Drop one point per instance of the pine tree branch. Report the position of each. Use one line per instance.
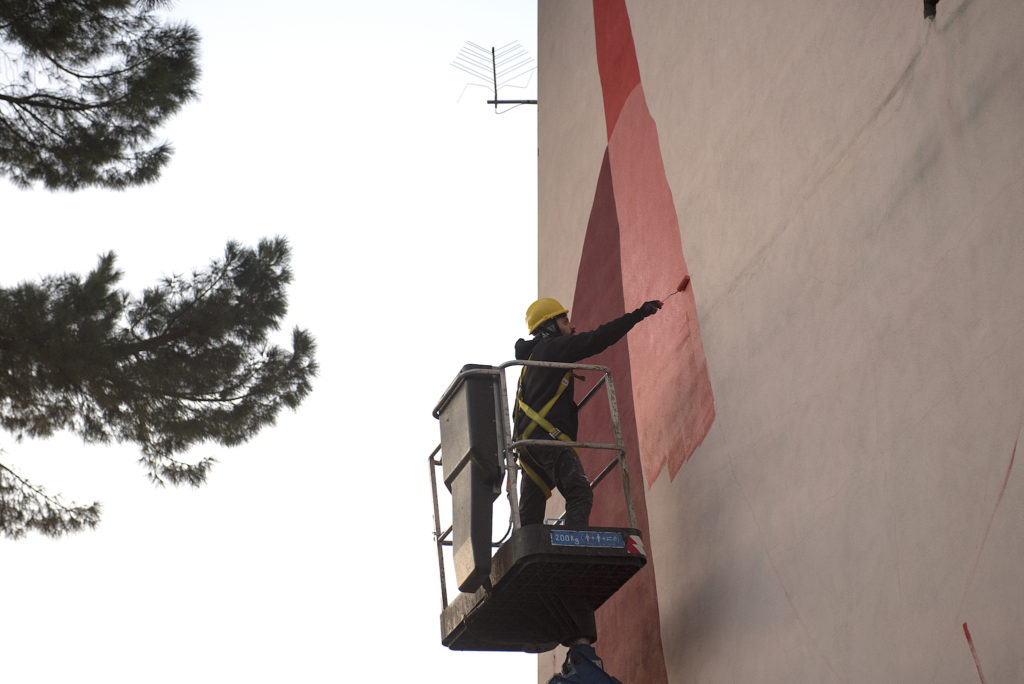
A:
(202, 294)
(28, 485)
(56, 103)
(14, 130)
(204, 398)
(149, 343)
(70, 359)
(22, 111)
(106, 74)
(26, 507)
(29, 13)
(155, 390)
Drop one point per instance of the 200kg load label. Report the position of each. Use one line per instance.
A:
(611, 540)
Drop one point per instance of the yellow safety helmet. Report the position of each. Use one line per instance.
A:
(543, 309)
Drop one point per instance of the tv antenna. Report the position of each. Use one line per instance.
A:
(497, 68)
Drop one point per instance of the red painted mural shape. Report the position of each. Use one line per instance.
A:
(632, 252)
(674, 403)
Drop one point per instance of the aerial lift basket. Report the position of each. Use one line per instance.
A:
(543, 584)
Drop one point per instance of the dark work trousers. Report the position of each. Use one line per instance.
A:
(563, 466)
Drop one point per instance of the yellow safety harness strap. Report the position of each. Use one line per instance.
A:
(540, 420)
(531, 468)
(534, 472)
(538, 417)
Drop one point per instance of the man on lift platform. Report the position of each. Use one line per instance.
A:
(546, 409)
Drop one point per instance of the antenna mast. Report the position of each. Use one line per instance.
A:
(507, 64)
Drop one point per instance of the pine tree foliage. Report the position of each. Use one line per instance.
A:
(84, 84)
(186, 362)
(24, 507)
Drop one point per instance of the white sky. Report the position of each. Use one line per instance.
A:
(308, 556)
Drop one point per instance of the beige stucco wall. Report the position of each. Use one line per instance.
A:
(570, 153)
(849, 181)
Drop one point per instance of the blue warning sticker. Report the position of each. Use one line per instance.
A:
(612, 540)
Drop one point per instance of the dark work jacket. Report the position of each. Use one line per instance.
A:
(538, 385)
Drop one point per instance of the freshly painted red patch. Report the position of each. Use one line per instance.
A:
(674, 401)
(974, 653)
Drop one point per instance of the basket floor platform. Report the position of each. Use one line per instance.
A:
(545, 584)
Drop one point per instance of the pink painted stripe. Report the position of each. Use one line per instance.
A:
(616, 57)
(974, 653)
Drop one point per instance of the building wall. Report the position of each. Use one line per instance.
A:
(824, 426)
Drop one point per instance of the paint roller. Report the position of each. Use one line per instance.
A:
(683, 284)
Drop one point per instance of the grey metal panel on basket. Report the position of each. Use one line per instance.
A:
(471, 463)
